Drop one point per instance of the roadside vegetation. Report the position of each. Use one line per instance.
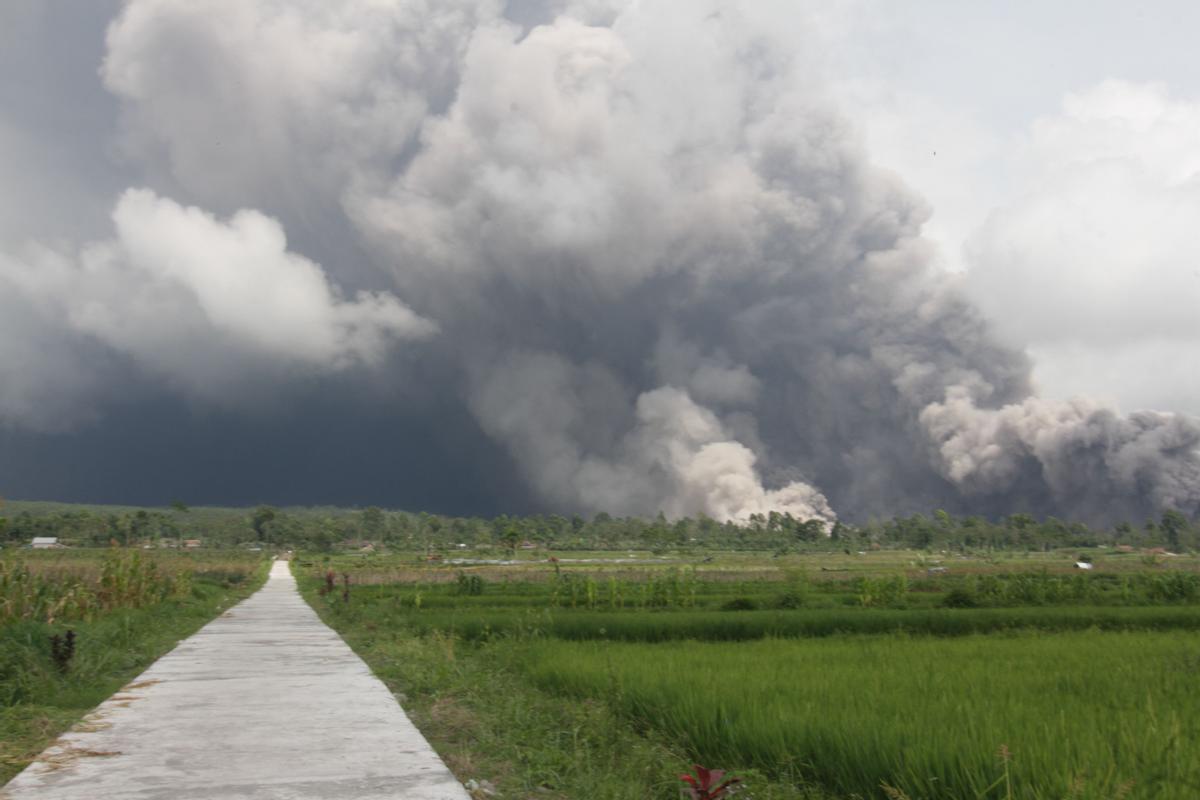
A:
(76, 625)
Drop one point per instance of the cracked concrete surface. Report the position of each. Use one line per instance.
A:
(265, 701)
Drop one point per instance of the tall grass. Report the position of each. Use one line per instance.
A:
(1087, 715)
(55, 587)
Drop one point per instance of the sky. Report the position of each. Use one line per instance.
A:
(1067, 130)
(837, 259)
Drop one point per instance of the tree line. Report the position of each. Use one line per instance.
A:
(327, 528)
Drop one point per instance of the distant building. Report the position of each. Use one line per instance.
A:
(191, 544)
(45, 543)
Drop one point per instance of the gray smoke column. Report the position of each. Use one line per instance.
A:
(639, 244)
(1087, 456)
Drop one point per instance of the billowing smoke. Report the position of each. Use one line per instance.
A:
(633, 240)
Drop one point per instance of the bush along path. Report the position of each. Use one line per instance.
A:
(265, 702)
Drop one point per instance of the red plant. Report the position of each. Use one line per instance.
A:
(706, 783)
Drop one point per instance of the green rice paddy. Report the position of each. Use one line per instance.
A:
(993, 681)
(1091, 713)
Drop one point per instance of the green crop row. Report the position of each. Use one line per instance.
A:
(1086, 715)
(1039, 686)
(685, 589)
(392, 607)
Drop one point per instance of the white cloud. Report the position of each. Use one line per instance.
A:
(1098, 260)
(945, 152)
(217, 308)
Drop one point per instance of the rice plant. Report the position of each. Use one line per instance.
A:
(1116, 713)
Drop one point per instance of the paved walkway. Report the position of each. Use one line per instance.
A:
(264, 702)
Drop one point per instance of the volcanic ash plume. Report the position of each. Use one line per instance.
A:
(677, 456)
(663, 273)
(1087, 456)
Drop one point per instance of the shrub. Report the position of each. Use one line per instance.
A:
(468, 584)
(789, 600)
(959, 598)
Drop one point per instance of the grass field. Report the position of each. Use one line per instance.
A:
(855, 680)
(1097, 714)
(123, 608)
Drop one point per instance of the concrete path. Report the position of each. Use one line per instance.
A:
(264, 702)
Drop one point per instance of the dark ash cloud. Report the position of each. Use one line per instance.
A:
(630, 255)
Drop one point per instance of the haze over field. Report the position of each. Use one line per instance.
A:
(584, 256)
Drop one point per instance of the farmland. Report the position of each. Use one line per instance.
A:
(75, 625)
(1106, 712)
(886, 674)
(921, 657)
